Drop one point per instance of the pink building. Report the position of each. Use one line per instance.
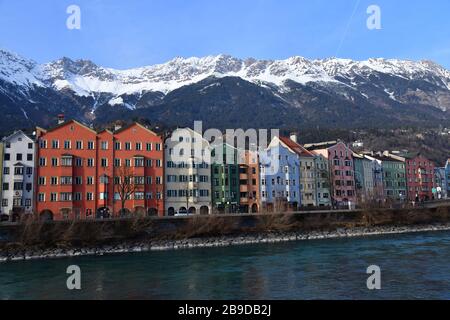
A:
(340, 158)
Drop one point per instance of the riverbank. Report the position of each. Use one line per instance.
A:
(126, 247)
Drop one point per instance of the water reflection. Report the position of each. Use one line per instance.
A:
(413, 267)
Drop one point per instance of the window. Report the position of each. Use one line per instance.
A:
(139, 196)
(55, 144)
(90, 196)
(158, 180)
(127, 163)
(103, 195)
(29, 157)
(90, 180)
(91, 145)
(78, 180)
(54, 181)
(66, 161)
(78, 162)
(104, 180)
(66, 180)
(104, 162)
(79, 145)
(42, 162)
(149, 163)
(29, 187)
(41, 197)
(158, 147)
(158, 163)
(53, 197)
(117, 145)
(90, 162)
(4, 202)
(42, 181)
(54, 162)
(77, 196)
(43, 144)
(139, 180)
(128, 146)
(67, 144)
(19, 157)
(138, 146)
(149, 147)
(30, 145)
(7, 157)
(6, 186)
(148, 180)
(104, 145)
(65, 196)
(18, 171)
(116, 162)
(139, 162)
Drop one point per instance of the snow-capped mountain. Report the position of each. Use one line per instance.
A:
(408, 90)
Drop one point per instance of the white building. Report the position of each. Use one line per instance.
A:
(188, 173)
(280, 177)
(18, 175)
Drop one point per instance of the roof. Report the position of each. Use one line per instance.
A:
(320, 145)
(18, 132)
(385, 158)
(66, 123)
(132, 125)
(297, 148)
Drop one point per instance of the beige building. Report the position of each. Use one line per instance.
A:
(187, 173)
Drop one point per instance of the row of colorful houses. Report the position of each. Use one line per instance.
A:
(74, 172)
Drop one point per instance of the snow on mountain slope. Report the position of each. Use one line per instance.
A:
(86, 79)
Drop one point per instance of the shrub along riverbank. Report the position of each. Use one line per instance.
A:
(33, 239)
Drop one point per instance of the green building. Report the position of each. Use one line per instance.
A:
(225, 179)
(394, 178)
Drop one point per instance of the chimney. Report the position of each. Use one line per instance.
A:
(117, 126)
(60, 118)
(294, 137)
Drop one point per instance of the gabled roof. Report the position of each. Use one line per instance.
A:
(132, 125)
(18, 132)
(297, 148)
(65, 124)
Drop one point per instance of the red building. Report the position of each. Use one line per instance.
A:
(419, 177)
(82, 173)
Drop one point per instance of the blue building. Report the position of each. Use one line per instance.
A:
(280, 177)
(442, 180)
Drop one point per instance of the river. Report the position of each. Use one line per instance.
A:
(413, 266)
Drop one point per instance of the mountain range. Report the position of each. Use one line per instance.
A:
(227, 92)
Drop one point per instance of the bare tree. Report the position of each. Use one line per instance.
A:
(125, 185)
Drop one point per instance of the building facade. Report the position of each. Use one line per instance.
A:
(394, 178)
(249, 182)
(340, 159)
(307, 172)
(280, 172)
(225, 178)
(440, 181)
(323, 193)
(18, 183)
(420, 177)
(84, 174)
(365, 170)
(188, 173)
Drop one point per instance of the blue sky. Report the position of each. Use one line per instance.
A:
(130, 33)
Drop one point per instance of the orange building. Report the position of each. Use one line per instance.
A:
(84, 174)
(249, 176)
